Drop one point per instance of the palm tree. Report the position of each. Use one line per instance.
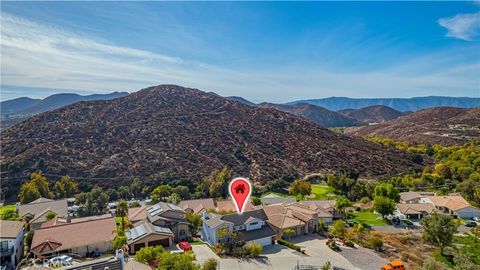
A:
(122, 211)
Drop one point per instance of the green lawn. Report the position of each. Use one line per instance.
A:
(367, 217)
(319, 192)
(6, 208)
(322, 192)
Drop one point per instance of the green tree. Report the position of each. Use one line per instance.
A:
(160, 193)
(341, 205)
(148, 254)
(327, 266)
(122, 211)
(182, 191)
(120, 240)
(301, 187)
(195, 222)
(41, 183)
(255, 200)
(476, 193)
(136, 188)
(339, 229)
(185, 261)
(387, 190)
(384, 205)
(438, 230)
(322, 226)
(28, 193)
(288, 233)
(359, 229)
(66, 187)
(219, 182)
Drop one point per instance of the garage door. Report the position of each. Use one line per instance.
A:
(263, 241)
(162, 242)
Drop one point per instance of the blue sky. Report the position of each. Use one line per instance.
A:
(263, 51)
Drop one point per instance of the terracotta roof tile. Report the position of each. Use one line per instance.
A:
(74, 235)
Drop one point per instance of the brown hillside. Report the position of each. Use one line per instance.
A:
(316, 114)
(168, 131)
(442, 125)
(372, 114)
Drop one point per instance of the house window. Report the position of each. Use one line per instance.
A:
(182, 232)
(253, 223)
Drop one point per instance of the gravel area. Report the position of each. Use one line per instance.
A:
(363, 258)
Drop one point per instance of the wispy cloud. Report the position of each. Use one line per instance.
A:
(44, 56)
(462, 26)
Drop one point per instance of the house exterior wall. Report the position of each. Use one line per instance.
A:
(256, 224)
(17, 244)
(149, 238)
(101, 246)
(267, 241)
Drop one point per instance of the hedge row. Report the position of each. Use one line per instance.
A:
(290, 245)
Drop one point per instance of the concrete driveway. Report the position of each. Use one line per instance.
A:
(280, 257)
(316, 247)
(203, 253)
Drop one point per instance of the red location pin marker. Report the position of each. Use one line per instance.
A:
(240, 190)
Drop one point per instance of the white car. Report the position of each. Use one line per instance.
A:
(60, 261)
(477, 219)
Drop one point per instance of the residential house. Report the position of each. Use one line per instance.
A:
(251, 225)
(11, 242)
(414, 211)
(77, 237)
(137, 214)
(165, 215)
(455, 205)
(36, 212)
(414, 197)
(146, 234)
(325, 209)
(197, 206)
(297, 217)
(276, 199)
(227, 206)
(60, 221)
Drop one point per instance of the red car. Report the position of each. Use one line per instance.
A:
(185, 245)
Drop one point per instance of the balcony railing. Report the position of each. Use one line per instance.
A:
(6, 251)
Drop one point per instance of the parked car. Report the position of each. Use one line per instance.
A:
(60, 261)
(185, 245)
(471, 224)
(476, 219)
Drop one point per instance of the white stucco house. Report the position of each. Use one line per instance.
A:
(11, 242)
(251, 225)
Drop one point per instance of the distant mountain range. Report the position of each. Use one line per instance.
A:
(441, 125)
(170, 132)
(28, 106)
(373, 114)
(399, 104)
(316, 114)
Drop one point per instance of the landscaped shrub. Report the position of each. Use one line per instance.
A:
(253, 249)
(210, 264)
(332, 245)
(375, 243)
(349, 243)
(290, 245)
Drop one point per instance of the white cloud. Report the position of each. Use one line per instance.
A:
(37, 55)
(462, 26)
